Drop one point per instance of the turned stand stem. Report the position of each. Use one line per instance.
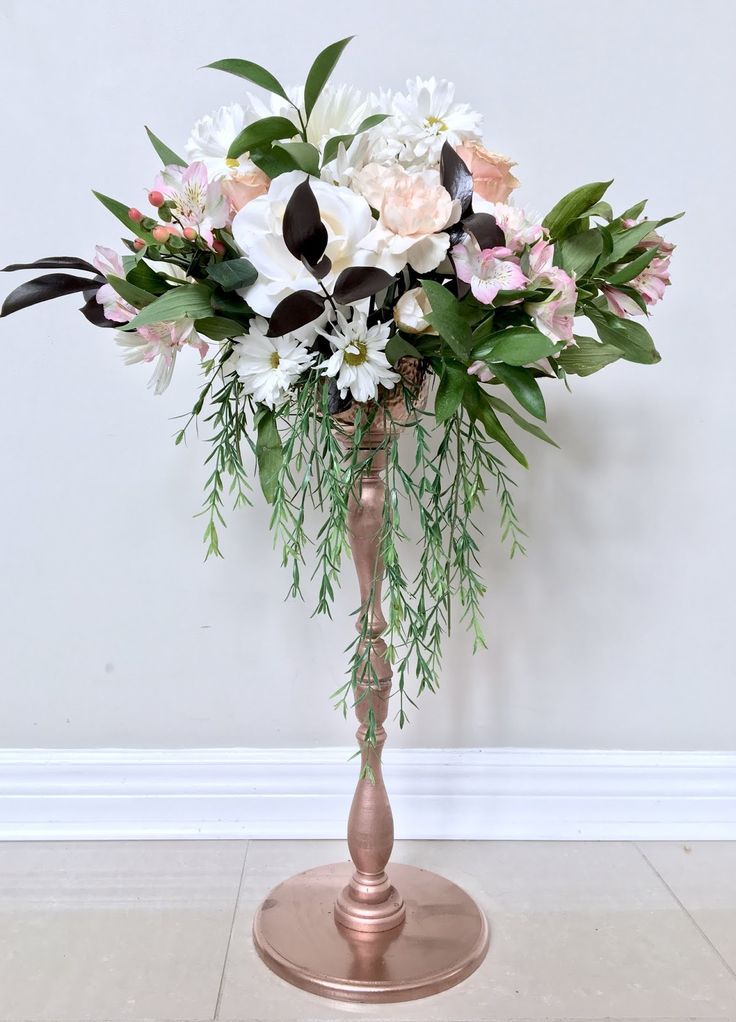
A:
(369, 902)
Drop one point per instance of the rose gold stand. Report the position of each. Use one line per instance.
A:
(358, 934)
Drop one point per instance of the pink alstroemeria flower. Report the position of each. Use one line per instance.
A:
(541, 255)
(113, 306)
(160, 343)
(555, 317)
(487, 270)
(653, 240)
(196, 201)
(619, 303)
(650, 284)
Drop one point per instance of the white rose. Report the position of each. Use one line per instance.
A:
(258, 232)
(411, 310)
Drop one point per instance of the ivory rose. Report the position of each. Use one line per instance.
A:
(412, 209)
(411, 310)
(492, 177)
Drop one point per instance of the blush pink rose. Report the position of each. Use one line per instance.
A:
(240, 189)
(492, 177)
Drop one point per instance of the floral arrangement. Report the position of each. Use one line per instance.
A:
(326, 250)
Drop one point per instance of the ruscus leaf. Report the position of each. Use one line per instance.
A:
(166, 155)
(320, 71)
(573, 205)
(251, 73)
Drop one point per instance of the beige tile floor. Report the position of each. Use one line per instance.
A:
(161, 931)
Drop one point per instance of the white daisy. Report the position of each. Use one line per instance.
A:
(426, 116)
(268, 366)
(359, 361)
(213, 135)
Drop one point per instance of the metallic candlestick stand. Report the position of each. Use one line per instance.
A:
(362, 934)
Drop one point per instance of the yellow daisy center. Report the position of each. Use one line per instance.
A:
(275, 360)
(231, 162)
(356, 358)
(436, 122)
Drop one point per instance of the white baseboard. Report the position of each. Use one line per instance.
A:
(305, 793)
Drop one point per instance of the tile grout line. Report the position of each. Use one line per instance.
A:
(687, 912)
(221, 987)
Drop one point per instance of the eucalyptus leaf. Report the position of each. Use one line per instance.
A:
(233, 273)
(320, 72)
(574, 205)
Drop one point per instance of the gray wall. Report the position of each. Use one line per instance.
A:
(616, 631)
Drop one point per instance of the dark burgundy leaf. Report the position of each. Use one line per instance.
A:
(322, 268)
(456, 178)
(93, 311)
(54, 263)
(356, 282)
(484, 229)
(42, 289)
(335, 403)
(304, 233)
(294, 311)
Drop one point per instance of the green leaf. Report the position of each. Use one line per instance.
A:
(632, 339)
(232, 274)
(517, 346)
(120, 210)
(588, 357)
(273, 162)
(260, 134)
(448, 320)
(453, 382)
(269, 455)
(634, 268)
(530, 427)
(252, 73)
(304, 156)
(187, 300)
(218, 328)
(601, 209)
(574, 205)
(166, 155)
(320, 71)
(634, 212)
(398, 347)
(476, 402)
(144, 276)
(523, 385)
(333, 144)
(579, 252)
(624, 241)
(135, 295)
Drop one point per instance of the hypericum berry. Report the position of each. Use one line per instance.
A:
(160, 234)
(190, 233)
(217, 246)
(135, 214)
(156, 198)
(139, 244)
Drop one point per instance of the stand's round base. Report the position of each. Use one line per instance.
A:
(443, 939)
